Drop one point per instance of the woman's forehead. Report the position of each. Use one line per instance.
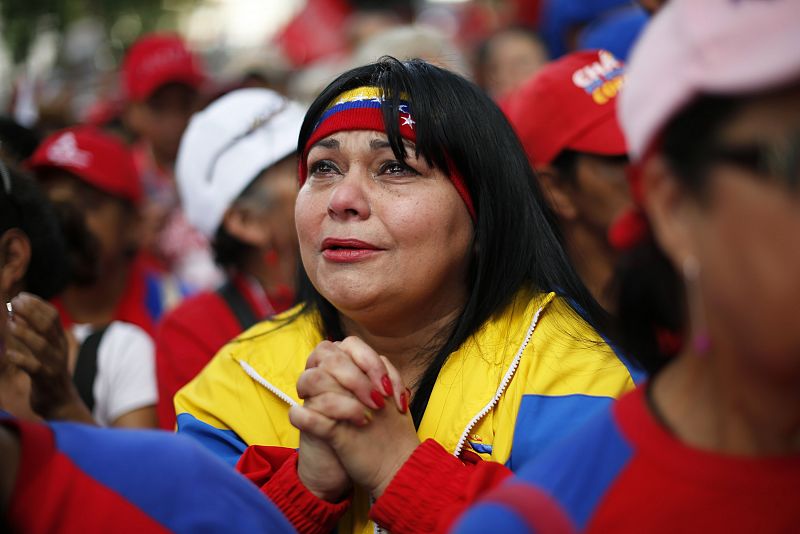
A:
(372, 139)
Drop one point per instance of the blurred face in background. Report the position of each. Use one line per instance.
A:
(268, 205)
(600, 192)
(162, 118)
(510, 58)
(100, 229)
(745, 235)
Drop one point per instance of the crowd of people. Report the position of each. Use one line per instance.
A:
(558, 298)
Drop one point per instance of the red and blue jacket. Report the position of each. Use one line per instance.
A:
(77, 478)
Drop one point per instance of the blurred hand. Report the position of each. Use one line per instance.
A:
(344, 386)
(38, 345)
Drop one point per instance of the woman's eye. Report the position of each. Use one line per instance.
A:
(395, 168)
(323, 167)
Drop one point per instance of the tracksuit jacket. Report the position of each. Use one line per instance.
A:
(528, 376)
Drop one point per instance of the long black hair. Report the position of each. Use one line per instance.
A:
(652, 314)
(516, 237)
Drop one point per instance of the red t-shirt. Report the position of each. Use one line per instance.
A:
(192, 333)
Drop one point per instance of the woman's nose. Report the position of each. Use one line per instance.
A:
(349, 199)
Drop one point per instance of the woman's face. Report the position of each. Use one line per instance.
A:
(747, 240)
(381, 238)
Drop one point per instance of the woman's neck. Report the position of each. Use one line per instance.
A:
(407, 345)
(715, 403)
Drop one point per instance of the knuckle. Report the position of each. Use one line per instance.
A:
(301, 385)
(334, 406)
(324, 345)
(333, 361)
(354, 382)
(327, 402)
(314, 379)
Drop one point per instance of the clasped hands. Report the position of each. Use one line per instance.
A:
(354, 423)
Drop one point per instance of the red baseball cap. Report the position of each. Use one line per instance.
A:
(93, 156)
(569, 104)
(158, 59)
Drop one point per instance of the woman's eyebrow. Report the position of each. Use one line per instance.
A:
(380, 144)
(329, 143)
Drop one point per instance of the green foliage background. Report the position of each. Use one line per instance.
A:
(20, 18)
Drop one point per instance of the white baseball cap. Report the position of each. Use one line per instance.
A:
(227, 145)
(690, 47)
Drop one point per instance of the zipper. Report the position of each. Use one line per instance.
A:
(501, 388)
(252, 373)
(486, 409)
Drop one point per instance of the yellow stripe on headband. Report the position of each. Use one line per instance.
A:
(358, 94)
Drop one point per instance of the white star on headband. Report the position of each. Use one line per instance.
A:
(408, 121)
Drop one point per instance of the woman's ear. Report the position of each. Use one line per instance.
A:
(15, 256)
(668, 205)
(247, 226)
(557, 193)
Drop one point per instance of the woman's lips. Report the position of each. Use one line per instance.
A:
(348, 250)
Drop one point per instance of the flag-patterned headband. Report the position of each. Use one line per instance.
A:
(360, 109)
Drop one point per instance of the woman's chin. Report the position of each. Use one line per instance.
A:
(354, 304)
(358, 301)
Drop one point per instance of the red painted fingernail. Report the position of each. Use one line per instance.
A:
(404, 402)
(377, 398)
(387, 385)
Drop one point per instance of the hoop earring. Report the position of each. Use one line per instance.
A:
(701, 341)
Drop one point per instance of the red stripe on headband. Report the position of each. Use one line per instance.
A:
(371, 118)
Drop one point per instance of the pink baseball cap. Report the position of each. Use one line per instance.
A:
(706, 46)
(569, 103)
(156, 60)
(95, 157)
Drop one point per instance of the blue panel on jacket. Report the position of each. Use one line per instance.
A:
(225, 444)
(501, 519)
(543, 420)
(578, 470)
(171, 479)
